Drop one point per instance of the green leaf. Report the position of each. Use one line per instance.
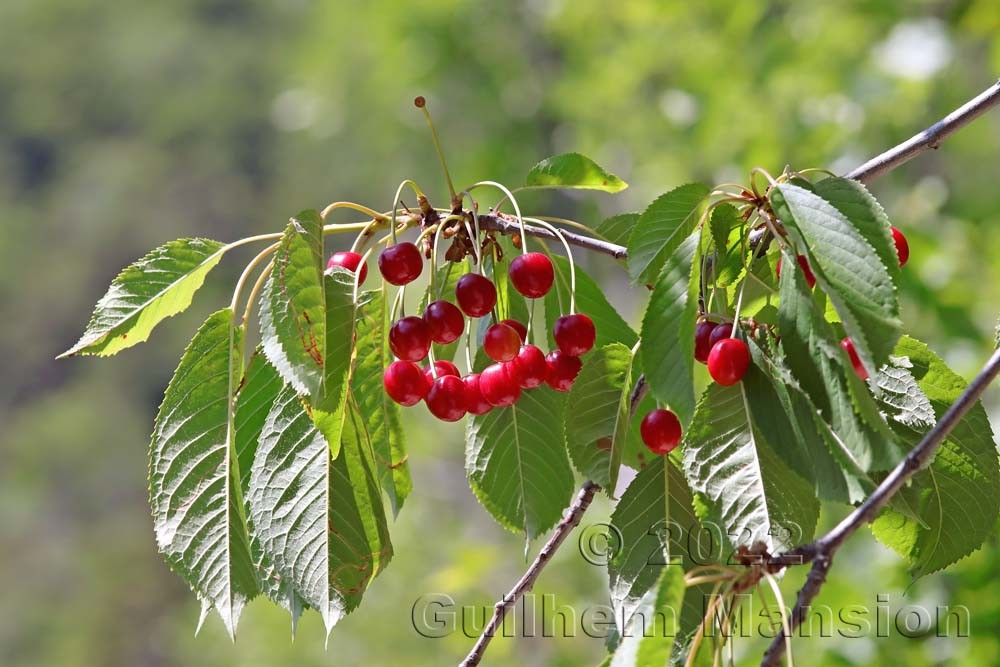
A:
(194, 477)
(319, 519)
(661, 228)
(650, 639)
(958, 495)
(597, 427)
(158, 286)
(572, 170)
(847, 268)
(731, 259)
(618, 228)
(591, 300)
(667, 348)
(516, 462)
(741, 482)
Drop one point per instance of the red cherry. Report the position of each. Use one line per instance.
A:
(661, 431)
(728, 361)
(562, 370)
(530, 367)
(501, 342)
(410, 338)
(499, 387)
(521, 330)
(443, 367)
(804, 264)
(349, 261)
(719, 333)
(702, 345)
(902, 246)
(445, 321)
(401, 263)
(848, 346)
(531, 274)
(405, 383)
(446, 398)
(475, 404)
(574, 334)
(476, 294)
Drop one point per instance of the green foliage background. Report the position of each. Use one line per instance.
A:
(125, 125)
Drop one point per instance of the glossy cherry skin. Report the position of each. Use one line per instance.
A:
(902, 246)
(501, 342)
(728, 361)
(521, 330)
(476, 294)
(661, 431)
(530, 367)
(410, 338)
(446, 398)
(804, 265)
(574, 334)
(722, 331)
(499, 386)
(405, 383)
(349, 261)
(401, 263)
(562, 370)
(702, 346)
(475, 403)
(531, 274)
(443, 367)
(445, 321)
(848, 346)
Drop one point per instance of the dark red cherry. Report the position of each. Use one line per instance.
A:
(702, 345)
(661, 431)
(404, 382)
(401, 263)
(530, 367)
(531, 274)
(728, 361)
(444, 320)
(720, 332)
(349, 261)
(410, 339)
(443, 367)
(499, 387)
(574, 334)
(475, 404)
(521, 330)
(501, 342)
(446, 398)
(562, 370)
(848, 346)
(476, 294)
(902, 247)
(804, 264)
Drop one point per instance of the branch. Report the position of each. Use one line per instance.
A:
(507, 225)
(571, 518)
(821, 551)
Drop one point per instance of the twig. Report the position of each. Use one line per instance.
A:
(823, 549)
(505, 226)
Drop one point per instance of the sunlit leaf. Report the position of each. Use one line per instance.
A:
(572, 170)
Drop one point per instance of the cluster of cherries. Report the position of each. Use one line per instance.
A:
(519, 365)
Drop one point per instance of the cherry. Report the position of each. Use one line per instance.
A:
(702, 345)
(476, 294)
(531, 274)
(574, 334)
(475, 404)
(530, 367)
(521, 330)
(349, 261)
(720, 332)
(501, 342)
(848, 346)
(446, 398)
(400, 263)
(804, 264)
(902, 247)
(443, 367)
(563, 369)
(661, 431)
(499, 387)
(410, 339)
(405, 383)
(728, 361)
(444, 320)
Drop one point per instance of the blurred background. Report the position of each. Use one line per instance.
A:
(127, 124)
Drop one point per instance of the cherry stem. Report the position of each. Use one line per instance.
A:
(573, 223)
(248, 270)
(477, 248)
(513, 202)
(255, 291)
(399, 191)
(381, 217)
(437, 147)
